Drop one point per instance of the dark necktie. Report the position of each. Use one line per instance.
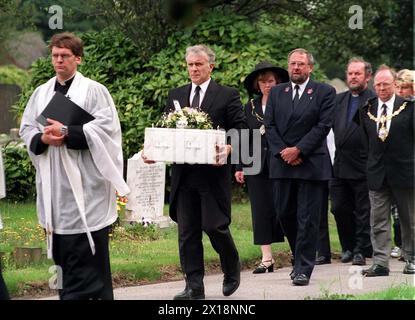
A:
(297, 96)
(196, 98)
(384, 113)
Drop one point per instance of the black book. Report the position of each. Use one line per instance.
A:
(67, 112)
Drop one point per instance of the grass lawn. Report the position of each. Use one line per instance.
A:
(135, 258)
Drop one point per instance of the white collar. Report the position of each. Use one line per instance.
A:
(302, 85)
(389, 103)
(203, 86)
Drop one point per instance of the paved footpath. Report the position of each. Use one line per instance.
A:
(326, 279)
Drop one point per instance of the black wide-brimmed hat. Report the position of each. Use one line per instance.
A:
(263, 67)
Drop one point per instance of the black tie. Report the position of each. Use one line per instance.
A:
(297, 96)
(196, 98)
(384, 113)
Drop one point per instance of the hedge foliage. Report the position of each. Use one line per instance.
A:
(10, 74)
(19, 172)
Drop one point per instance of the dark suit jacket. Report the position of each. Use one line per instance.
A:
(255, 123)
(350, 157)
(392, 160)
(306, 127)
(224, 107)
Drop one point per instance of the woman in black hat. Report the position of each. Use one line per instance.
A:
(266, 227)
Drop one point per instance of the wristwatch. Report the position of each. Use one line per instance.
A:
(64, 130)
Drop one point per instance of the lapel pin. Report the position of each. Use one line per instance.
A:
(287, 89)
(310, 91)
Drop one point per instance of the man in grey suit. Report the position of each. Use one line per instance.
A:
(388, 126)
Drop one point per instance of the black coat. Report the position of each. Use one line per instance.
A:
(350, 157)
(306, 127)
(255, 119)
(392, 159)
(224, 107)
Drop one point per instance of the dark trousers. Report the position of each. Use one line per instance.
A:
(197, 211)
(4, 294)
(84, 276)
(323, 247)
(350, 206)
(397, 238)
(299, 205)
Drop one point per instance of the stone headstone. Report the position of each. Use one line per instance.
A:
(146, 199)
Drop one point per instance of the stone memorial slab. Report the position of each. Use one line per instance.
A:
(147, 184)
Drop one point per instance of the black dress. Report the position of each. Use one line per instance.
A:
(265, 225)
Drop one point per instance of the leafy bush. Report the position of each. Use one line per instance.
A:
(10, 74)
(19, 172)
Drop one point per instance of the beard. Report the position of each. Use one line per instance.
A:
(298, 78)
(356, 87)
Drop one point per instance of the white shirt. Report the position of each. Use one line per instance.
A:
(389, 105)
(301, 90)
(203, 88)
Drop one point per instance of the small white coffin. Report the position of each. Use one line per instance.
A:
(183, 145)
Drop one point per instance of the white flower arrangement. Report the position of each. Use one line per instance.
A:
(186, 118)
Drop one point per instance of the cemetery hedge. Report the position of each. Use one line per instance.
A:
(140, 88)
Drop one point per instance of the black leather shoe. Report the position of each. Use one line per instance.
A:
(359, 260)
(376, 270)
(347, 256)
(301, 280)
(323, 260)
(190, 294)
(231, 282)
(409, 268)
(264, 266)
(292, 274)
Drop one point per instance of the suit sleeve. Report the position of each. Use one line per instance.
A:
(235, 116)
(274, 139)
(314, 138)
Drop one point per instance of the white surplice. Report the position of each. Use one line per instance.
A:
(76, 188)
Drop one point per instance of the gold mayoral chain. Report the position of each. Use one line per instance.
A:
(383, 131)
(258, 117)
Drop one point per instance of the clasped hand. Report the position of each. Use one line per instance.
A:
(291, 155)
(52, 134)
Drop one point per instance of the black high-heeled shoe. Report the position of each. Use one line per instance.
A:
(262, 268)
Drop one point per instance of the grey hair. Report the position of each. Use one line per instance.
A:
(368, 66)
(201, 48)
(310, 57)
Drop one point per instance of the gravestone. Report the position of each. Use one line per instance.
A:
(146, 199)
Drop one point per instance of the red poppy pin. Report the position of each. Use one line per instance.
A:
(287, 89)
(310, 91)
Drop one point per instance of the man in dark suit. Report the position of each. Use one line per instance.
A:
(388, 126)
(298, 118)
(200, 198)
(348, 188)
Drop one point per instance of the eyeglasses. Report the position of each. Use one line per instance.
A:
(63, 56)
(299, 64)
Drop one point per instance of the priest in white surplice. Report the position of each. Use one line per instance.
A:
(78, 171)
